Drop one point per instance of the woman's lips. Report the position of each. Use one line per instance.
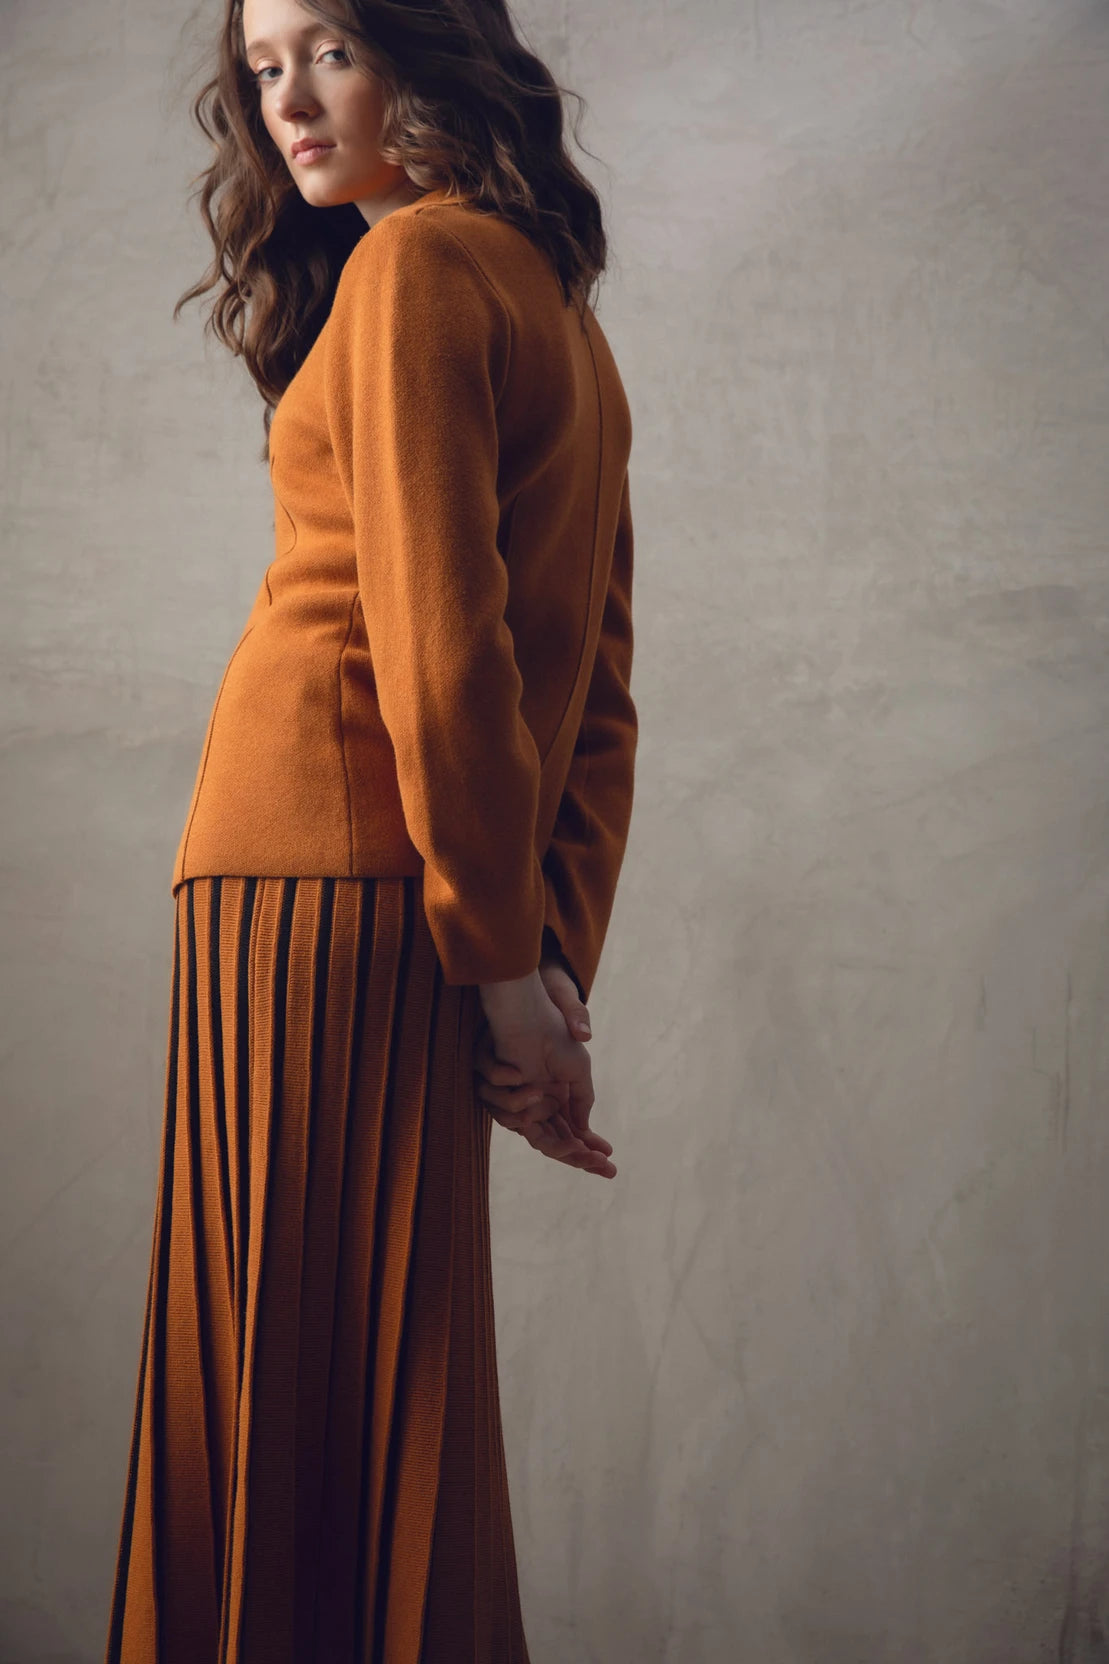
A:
(314, 153)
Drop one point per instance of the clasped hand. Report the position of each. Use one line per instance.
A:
(530, 1072)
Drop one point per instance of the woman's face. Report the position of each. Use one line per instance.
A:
(307, 88)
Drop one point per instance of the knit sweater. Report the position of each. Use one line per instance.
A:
(434, 677)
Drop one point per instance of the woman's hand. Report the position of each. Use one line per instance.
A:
(532, 1075)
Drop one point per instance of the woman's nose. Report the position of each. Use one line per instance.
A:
(293, 98)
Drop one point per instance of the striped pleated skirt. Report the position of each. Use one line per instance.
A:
(317, 1474)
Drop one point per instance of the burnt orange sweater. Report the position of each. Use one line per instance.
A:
(435, 675)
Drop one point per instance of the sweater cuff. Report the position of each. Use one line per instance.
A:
(552, 948)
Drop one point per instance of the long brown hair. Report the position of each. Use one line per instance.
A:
(466, 105)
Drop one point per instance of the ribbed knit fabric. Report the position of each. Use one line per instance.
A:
(317, 1474)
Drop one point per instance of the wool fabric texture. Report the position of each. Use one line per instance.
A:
(434, 678)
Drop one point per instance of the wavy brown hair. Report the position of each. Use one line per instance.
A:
(466, 105)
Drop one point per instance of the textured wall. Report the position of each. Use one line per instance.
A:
(823, 1376)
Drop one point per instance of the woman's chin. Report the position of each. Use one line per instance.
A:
(318, 195)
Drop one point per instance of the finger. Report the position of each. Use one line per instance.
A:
(520, 1119)
(593, 1141)
(563, 992)
(587, 1154)
(548, 1145)
(572, 1153)
(562, 1130)
(592, 1161)
(533, 1116)
(589, 1161)
(580, 1105)
(510, 1122)
(549, 1133)
(511, 1098)
(528, 1129)
(558, 1140)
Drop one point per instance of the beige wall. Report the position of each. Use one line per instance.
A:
(823, 1376)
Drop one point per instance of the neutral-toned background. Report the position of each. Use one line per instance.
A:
(823, 1376)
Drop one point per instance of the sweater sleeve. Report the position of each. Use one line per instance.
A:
(416, 354)
(586, 851)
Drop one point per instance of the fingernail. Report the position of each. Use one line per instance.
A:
(583, 1027)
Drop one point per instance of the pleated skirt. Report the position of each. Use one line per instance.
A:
(317, 1472)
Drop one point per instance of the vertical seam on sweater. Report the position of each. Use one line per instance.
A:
(511, 532)
(208, 747)
(342, 734)
(593, 555)
(296, 530)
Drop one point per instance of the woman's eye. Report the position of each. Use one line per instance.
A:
(260, 74)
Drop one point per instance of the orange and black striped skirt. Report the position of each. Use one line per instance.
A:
(317, 1474)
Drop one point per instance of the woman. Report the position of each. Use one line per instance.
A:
(400, 857)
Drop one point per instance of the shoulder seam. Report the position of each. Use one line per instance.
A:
(480, 269)
(477, 266)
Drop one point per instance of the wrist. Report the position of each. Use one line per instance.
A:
(512, 994)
